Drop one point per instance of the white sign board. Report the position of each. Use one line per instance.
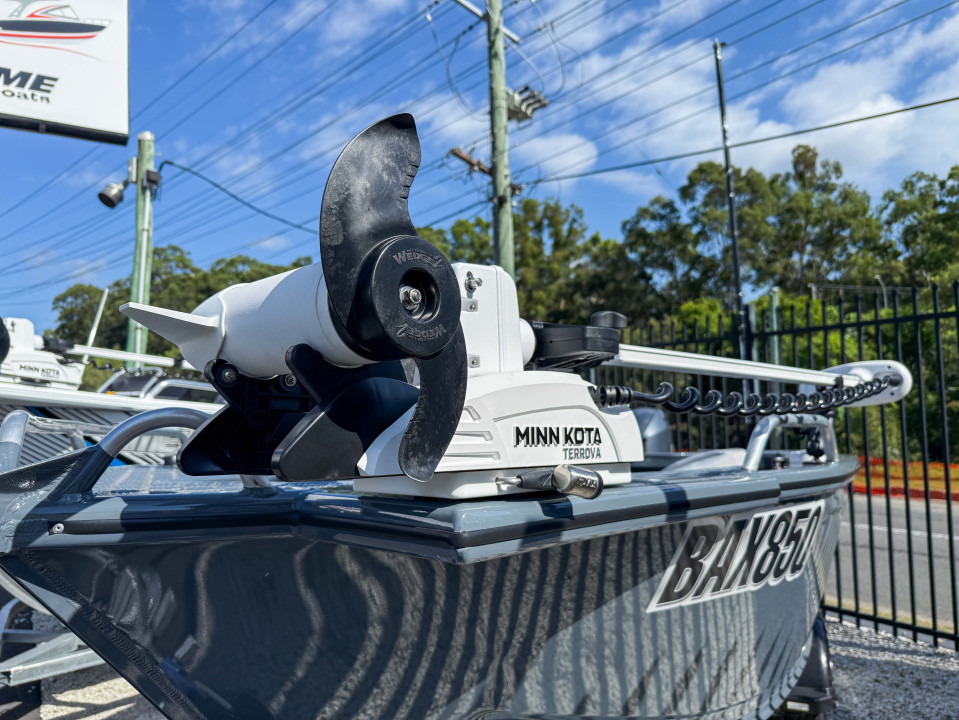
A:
(64, 68)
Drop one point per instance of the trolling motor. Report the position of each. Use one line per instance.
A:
(386, 364)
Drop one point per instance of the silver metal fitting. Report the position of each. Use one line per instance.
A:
(410, 297)
(471, 282)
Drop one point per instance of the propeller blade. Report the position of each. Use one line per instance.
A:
(365, 203)
(438, 409)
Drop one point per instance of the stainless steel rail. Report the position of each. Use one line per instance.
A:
(759, 439)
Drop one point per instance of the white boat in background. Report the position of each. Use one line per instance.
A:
(43, 377)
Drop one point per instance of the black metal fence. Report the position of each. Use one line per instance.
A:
(895, 566)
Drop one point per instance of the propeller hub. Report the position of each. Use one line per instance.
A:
(407, 302)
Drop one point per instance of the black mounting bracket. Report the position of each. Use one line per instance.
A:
(312, 424)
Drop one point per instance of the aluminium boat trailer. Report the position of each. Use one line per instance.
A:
(413, 505)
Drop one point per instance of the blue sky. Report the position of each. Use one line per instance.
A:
(627, 80)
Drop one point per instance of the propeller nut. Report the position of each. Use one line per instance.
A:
(411, 298)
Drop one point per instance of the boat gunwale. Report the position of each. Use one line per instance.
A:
(455, 531)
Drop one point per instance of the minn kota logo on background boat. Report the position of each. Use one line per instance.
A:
(724, 556)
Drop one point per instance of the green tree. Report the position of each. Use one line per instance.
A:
(921, 221)
(176, 283)
(796, 228)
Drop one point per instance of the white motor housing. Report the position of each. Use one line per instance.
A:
(513, 420)
(26, 362)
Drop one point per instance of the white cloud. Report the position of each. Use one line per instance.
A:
(35, 259)
(93, 176)
(272, 242)
(356, 20)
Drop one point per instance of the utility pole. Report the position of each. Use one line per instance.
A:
(731, 200)
(143, 253)
(498, 117)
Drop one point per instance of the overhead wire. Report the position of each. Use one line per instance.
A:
(616, 128)
(760, 140)
(236, 197)
(163, 93)
(106, 220)
(101, 220)
(664, 10)
(647, 18)
(225, 145)
(612, 80)
(229, 144)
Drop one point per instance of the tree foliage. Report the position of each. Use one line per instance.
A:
(177, 284)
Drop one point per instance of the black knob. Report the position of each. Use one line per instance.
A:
(608, 319)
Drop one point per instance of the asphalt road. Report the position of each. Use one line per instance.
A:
(886, 578)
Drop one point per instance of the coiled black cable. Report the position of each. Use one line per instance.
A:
(735, 403)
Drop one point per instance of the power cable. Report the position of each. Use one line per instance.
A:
(206, 58)
(746, 143)
(100, 221)
(236, 197)
(243, 75)
(711, 88)
(163, 93)
(593, 89)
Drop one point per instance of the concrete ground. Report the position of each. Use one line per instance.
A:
(94, 694)
(879, 677)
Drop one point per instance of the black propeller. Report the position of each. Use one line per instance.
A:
(393, 298)
(392, 294)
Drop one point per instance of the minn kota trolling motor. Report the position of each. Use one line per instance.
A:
(385, 363)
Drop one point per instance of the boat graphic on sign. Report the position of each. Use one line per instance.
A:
(49, 22)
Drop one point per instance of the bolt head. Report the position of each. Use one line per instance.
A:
(410, 297)
(290, 380)
(57, 529)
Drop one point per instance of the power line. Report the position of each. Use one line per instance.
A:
(244, 74)
(228, 145)
(161, 95)
(276, 115)
(106, 261)
(236, 197)
(746, 143)
(594, 89)
(206, 58)
(106, 220)
(710, 88)
(643, 21)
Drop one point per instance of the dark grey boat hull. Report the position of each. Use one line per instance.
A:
(317, 603)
